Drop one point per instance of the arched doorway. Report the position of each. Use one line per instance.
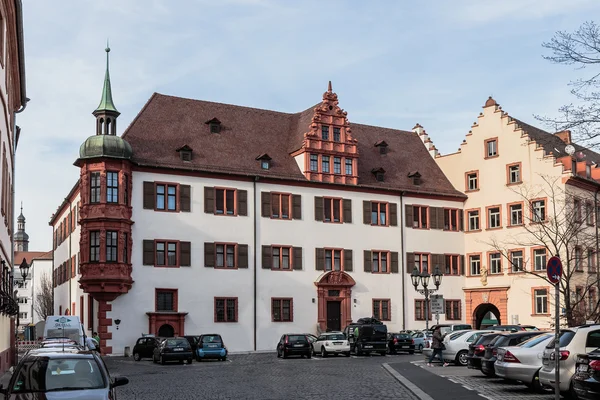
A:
(166, 330)
(485, 315)
(334, 292)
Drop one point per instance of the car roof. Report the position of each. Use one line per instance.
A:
(210, 334)
(70, 353)
(332, 333)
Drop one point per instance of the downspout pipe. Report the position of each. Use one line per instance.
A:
(254, 251)
(402, 232)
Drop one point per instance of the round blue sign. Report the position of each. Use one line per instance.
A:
(554, 269)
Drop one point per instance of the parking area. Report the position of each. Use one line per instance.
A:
(261, 376)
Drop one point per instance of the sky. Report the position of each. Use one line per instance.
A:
(392, 63)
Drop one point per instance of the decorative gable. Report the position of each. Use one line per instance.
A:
(330, 151)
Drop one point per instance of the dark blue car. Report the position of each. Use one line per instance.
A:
(211, 346)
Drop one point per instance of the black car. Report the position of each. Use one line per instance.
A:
(173, 349)
(193, 339)
(400, 342)
(502, 340)
(367, 336)
(293, 344)
(144, 347)
(586, 381)
(72, 374)
(477, 350)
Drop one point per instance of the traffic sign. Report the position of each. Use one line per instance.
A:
(437, 304)
(554, 269)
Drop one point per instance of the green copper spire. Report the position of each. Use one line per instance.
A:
(106, 102)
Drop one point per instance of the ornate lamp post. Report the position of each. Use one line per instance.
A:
(423, 279)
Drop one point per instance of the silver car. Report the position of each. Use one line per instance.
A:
(420, 338)
(523, 362)
(578, 340)
(66, 375)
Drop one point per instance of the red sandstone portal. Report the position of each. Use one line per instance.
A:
(335, 286)
(175, 319)
(497, 297)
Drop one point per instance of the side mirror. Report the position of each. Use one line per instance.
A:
(120, 381)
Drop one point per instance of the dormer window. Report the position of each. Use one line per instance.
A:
(416, 177)
(382, 146)
(214, 125)
(265, 161)
(379, 174)
(185, 153)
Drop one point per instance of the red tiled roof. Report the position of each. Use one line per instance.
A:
(166, 123)
(31, 255)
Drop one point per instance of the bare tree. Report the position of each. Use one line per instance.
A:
(582, 49)
(43, 300)
(564, 227)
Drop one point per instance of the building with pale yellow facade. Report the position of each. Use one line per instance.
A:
(531, 194)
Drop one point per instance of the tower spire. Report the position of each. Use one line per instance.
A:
(106, 113)
(106, 101)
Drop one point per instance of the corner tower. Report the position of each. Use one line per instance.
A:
(105, 211)
(21, 240)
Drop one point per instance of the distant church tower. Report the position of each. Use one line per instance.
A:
(21, 240)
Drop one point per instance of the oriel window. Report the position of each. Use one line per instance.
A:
(112, 187)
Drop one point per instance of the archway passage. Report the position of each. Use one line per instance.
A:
(334, 292)
(166, 330)
(485, 315)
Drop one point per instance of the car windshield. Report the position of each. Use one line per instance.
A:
(380, 328)
(211, 339)
(338, 336)
(72, 334)
(565, 338)
(177, 343)
(54, 375)
(535, 340)
(297, 338)
(402, 336)
(457, 335)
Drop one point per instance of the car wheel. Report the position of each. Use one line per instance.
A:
(136, 356)
(162, 360)
(283, 354)
(461, 358)
(224, 358)
(323, 352)
(278, 354)
(308, 355)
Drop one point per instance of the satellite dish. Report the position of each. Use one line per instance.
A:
(570, 149)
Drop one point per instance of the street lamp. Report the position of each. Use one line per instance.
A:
(24, 267)
(423, 279)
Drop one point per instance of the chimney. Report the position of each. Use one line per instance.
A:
(565, 136)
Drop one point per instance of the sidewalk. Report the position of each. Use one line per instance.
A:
(430, 385)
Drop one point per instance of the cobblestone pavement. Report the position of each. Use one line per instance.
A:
(491, 388)
(261, 376)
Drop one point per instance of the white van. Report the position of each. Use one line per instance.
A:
(61, 326)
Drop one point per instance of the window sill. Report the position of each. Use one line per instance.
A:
(514, 183)
(516, 226)
(473, 276)
(381, 225)
(472, 190)
(451, 230)
(281, 322)
(538, 222)
(579, 271)
(272, 269)
(540, 315)
(226, 268)
(225, 322)
(224, 215)
(166, 266)
(474, 231)
(421, 228)
(494, 229)
(516, 273)
(489, 157)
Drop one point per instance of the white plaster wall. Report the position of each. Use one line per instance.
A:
(38, 268)
(300, 160)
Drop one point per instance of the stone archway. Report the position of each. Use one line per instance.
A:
(493, 300)
(166, 330)
(481, 316)
(334, 293)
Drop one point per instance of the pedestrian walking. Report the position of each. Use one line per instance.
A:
(438, 346)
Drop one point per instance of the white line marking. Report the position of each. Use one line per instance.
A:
(408, 384)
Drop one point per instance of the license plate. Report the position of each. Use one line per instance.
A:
(582, 368)
(368, 346)
(178, 349)
(499, 357)
(337, 343)
(213, 345)
(545, 361)
(298, 345)
(405, 347)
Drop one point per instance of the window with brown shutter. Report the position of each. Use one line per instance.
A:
(225, 201)
(297, 258)
(379, 262)
(226, 256)
(280, 205)
(242, 202)
(451, 264)
(296, 206)
(410, 262)
(209, 255)
(166, 253)
(420, 310)
(149, 195)
(148, 257)
(348, 264)
(185, 254)
(395, 263)
(209, 200)
(318, 208)
(281, 258)
(393, 208)
(451, 216)
(347, 215)
(320, 259)
(242, 256)
(267, 262)
(408, 212)
(332, 209)
(185, 198)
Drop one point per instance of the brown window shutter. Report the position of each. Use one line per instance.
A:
(297, 253)
(242, 255)
(440, 218)
(410, 262)
(320, 259)
(462, 264)
(368, 267)
(318, 208)
(209, 200)
(209, 255)
(394, 267)
(408, 211)
(366, 212)
(296, 206)
(185, 198)
(348, 260)
(460, 220)
(347, 216)
(242, 200)
(265, 204)
(267, 261)
(393, 214)
(149, 196)
(148, 258)
(433, 220)
(185, 254)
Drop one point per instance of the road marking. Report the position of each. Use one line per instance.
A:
(408, 384)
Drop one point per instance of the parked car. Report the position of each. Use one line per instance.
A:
(331, 343)
(400, 342)
(446, 328)
(505, 339)
(586, 381)
(211, 346)
(59, 374)
(512, 328)
(367, 336)
(457, 345)
(419, 338)
(577, 340)
(477, 350)
(193, 340)
(524, 361)
(293, 344)
(144, 347)
(173, 349)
